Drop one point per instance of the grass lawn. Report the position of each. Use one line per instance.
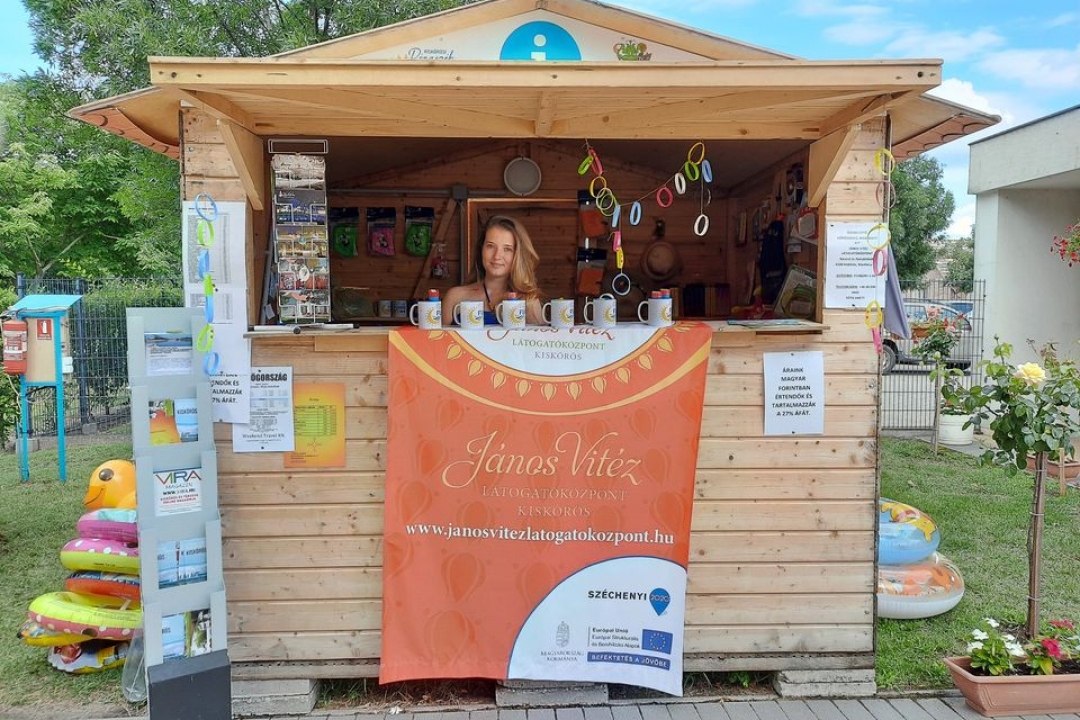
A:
(981, 513)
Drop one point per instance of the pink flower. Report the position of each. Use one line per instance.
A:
(1062, 624)
(1052, 647)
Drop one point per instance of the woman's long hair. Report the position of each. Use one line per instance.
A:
(523, 271)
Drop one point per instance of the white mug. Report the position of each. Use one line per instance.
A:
(600, 312)
(426, 314)
(559, 313)
(659, 312)
(511, 314)
(469, 314)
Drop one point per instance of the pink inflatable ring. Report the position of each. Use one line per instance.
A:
(101, 554)
(109, 524)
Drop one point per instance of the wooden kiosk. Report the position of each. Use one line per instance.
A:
(431, 113)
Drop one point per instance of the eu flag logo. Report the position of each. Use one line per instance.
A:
(656, 640)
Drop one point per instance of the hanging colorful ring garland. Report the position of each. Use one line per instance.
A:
(206, 211)
(696, 168)
(875, 316)
(620, 284)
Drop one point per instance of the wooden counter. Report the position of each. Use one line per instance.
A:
(781, 571)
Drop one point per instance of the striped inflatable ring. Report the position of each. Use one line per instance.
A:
(919, 590)
(96, 582)
(37, 635)
(92, 616)
(101, 554)
(109, 524)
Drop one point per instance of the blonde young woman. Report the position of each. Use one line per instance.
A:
(505, 261)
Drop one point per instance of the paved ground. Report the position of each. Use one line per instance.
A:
(949, 706)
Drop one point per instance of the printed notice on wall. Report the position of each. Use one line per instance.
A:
(270, 425)
(795, 393)
(318, 426)
(850, 281)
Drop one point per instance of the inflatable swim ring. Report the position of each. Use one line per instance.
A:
(109, 524)
(905, 534)
(919, 590)
(98, 554)
(36, 635)
(92, 616)
(112, 485)
(87, 657)
(95, 582)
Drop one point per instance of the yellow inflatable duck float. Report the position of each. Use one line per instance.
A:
(112, 485)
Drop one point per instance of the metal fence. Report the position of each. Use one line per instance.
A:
(907, 392)
(96, 394)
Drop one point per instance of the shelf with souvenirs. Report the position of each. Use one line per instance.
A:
(301, 247)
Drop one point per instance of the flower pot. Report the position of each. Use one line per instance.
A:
(951, 430)
(1053, 468)
(994, 695)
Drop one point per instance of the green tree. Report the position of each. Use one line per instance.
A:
(86, 203)
(921, 215)
(960, 269)
(103, 44)
(58, 216)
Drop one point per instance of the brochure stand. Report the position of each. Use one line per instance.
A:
(183, 587)
(301, 261)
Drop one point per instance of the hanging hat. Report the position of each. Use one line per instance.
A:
(660, 261)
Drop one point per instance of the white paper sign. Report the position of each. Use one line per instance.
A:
(270, 427)
(795, 393)
(850, 281)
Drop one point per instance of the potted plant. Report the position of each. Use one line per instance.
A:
(1001, 676)
(1031, 409)
(954, 424)
(935, 339)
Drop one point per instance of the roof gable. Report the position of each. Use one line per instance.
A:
(507, 30)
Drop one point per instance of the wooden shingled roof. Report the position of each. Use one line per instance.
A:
(718, 89)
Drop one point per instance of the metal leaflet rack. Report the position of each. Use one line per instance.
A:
(183, 587)
(301, 246)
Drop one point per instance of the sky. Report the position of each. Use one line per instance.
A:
(1019, 60)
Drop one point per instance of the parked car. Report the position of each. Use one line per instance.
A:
(963, 306)
(897, 350)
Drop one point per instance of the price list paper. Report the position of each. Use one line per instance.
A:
(318, 426)
(794, 393)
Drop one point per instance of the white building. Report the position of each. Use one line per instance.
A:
(1027, 186)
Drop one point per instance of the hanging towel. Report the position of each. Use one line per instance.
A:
(896, 320)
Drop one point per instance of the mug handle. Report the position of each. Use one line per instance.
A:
(586, 312)
(498, 313)
(545, 313)
(455, 314)
(642, 304)
(414, 316)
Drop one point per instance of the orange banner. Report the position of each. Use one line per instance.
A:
(539, 490)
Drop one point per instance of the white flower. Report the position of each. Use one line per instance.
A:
(973, 646)
(979, 634)
(1015, 649)
(1009, 637)
(991, 622)
(1031, 373)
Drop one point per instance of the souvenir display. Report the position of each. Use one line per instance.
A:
(301, 238)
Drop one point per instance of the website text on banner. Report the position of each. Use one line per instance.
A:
(539, 492)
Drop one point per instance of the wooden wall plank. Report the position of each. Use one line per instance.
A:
(297, 616)
(298, 486)
(302, 520)
(749, 516)
(826, 578)
(806, 452)
(807, 484)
